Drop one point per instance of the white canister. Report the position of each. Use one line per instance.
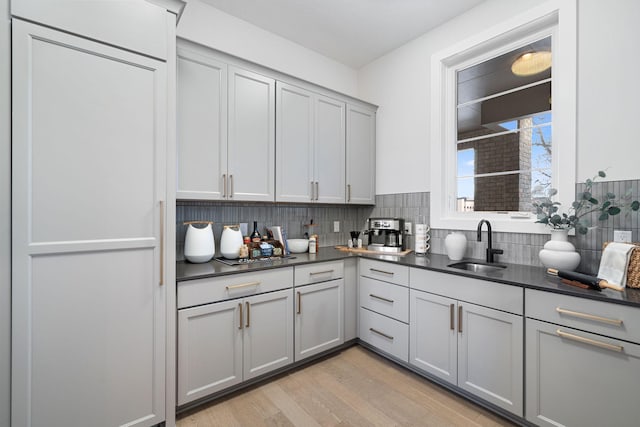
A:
(199, 244)
(231, 241)
(456, 245)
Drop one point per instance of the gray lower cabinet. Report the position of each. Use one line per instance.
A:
(466, 341)
(319, 309)
(576, 377)
(225, 343)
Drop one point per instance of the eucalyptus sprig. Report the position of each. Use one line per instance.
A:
(549, 213)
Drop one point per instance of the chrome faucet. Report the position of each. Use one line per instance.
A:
(490, 251)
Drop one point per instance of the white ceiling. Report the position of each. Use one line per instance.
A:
(353, 32)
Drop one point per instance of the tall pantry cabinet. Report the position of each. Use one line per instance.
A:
(91, 273)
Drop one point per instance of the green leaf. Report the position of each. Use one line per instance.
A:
(603, 216)
(613, 210)
(606, 204)
(611, 196)
(601, 174)
(586, 195)
(575, 205)
(589, 182)
(593, 201)
(552, 192)
(635, 205)
(581, 229)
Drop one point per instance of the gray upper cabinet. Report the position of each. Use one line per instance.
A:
(310, 146)
(251, 139)
(361, 155)
(89, 157)
(202, 127)
(225, 131)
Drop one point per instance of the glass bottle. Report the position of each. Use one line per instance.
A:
(255, 236)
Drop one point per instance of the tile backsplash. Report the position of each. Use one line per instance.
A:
(291, 216)
(519, 248)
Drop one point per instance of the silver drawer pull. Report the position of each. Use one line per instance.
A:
(381, 298)
(243, 285)
(390, 273)
(588, 316)
(589, 341)
(389, 337)
(321, 272)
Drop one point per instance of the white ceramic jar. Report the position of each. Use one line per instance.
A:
(559, 252)
(231, 241)
(199, 244)
(456, 245)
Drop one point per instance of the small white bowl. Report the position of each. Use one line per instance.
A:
(298, 246)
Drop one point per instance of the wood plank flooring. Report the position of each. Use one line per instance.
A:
(353, 388)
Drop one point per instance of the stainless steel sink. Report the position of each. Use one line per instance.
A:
(477, 267)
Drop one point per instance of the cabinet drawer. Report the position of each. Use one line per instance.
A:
(203, 291)
(313, 273)
(385, 298)
(482, 292)
(599, 317)
(384, 333)
(386, 271)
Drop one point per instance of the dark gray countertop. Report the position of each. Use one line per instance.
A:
(516, 275)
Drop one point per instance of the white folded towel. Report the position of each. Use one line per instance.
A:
(615, 262)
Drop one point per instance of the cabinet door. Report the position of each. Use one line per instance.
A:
(294, 144)
(268, 332)
(433, 335)
(580, 379)
(209, 349)
(319, 318)
(251, 139)
(329, 150)
(201, 127)
(361, 155)
(490, 359)
(88, 305)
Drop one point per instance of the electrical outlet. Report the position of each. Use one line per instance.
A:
(407, 228)
(623, 236)
(336, 226)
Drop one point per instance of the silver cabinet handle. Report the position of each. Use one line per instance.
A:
(390, 273)
(299, 304)
(241, 316)
(313, 191)
(452, 317)
(585, 340)
(224, 185)
(161, 242)
(375, 331)
(317, 190)
(460, 319)
(321, 272)
(381, 298)
(588, 316)
(348, 192)
(243, 285)
(231, 185)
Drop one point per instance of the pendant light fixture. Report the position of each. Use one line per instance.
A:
(531, 63)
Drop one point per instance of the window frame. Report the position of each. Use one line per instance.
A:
(557, 20)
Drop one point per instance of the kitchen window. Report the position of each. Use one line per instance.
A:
(503, 133)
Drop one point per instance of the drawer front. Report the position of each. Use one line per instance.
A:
(386, 271)
(482, 292)
(385, 334)
(322, 272)
(604, 318)
(385, 298)
(203, 291)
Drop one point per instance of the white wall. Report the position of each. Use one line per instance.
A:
(209, 26)
(5, 215)
(608, 89)
(399, 83)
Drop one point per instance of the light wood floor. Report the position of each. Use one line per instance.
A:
(353, 388)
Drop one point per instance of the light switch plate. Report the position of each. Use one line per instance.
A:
(407, 228)
(623, 236)
(336, 226)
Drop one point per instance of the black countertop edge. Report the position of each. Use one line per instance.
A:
(524, 276)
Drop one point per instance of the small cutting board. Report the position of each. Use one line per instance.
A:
(367, 251)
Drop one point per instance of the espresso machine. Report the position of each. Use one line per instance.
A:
(386, 234)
